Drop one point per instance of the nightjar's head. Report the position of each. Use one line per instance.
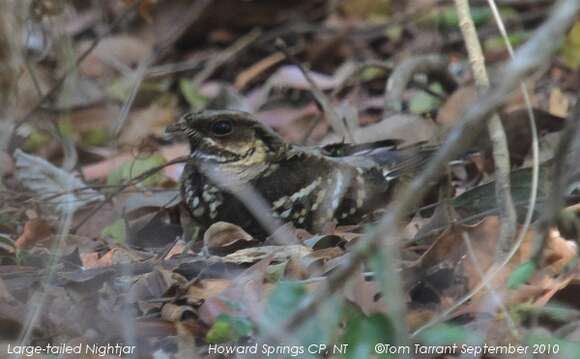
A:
(224, 136)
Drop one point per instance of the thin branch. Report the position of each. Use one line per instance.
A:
(533, 129)
(495, 297)
(224, 56)
(337, 123)
(432, 65)
(137, 78)
(556, 199)
(140, 178)
(496, 133)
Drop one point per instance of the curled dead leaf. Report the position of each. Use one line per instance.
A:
(206, 288)
(35, 231)
(223, 234)
(173, 312)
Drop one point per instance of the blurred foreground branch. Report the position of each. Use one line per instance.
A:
(496, 131)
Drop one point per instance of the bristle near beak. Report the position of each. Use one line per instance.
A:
(175, 128)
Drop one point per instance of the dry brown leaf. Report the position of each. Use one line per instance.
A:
(223, 234)
(409, 128)
(146, 328)
(247, 290)
(206, 288)
(455, 106)
(450, 249)
(35, 231)
(365, 294)
(247, 75)
(174, 313)
(283, 117)
(92, 118)
(176, 250)
(90, 260)
(146, 122)
(102, 169)
(157, 284)
(112, 257)
(125, 49)
(104, 261)
(558, 252)
(417, 317)
(103, 217)
(558, 103)
(6, 164)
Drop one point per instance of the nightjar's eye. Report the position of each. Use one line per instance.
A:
(222, 127)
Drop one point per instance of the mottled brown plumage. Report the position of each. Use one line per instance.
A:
(308, 186)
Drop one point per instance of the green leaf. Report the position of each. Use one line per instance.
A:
(96, 137)
(136, 168)
(571, 49)
(275, 272)
(36, 140)
(553, 347)
(371, 73)
(65, 127)
(117, 231)
(192, 96)
(521, 274)
(497, 44)
(227, 328)
(285, 301)
(554, 311)
(423, 102)
(447, 19)
(362, 333)
(149, 90)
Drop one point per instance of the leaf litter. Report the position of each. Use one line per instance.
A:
(133, 261)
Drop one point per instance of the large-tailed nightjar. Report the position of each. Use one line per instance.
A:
(307, 186)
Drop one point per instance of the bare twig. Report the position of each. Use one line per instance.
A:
(556, 198)
(140, 178)
(337, 123)
(432, 65)
(496, 133)
(137, 78)
(496, 299)
(529, 57)
(224, 56)
(533, 129)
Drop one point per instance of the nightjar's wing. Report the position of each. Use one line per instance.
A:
(405, 161)
(387, 155)
(364, 149)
